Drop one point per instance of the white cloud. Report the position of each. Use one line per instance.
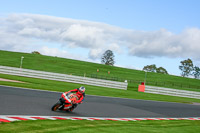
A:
(53, 52)
(60, 53)
(164, 43)
(95, 53)
(18, 32)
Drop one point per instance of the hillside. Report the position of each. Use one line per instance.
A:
(81, 68)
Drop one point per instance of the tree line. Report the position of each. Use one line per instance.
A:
(187, 68)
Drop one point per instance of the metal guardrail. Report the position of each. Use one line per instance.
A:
(62, 77)
(172, 92)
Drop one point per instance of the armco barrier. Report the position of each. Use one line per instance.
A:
(62, 77)
(172, 92)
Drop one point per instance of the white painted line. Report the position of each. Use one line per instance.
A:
(30, 89)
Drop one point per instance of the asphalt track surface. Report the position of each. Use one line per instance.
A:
(18, 101)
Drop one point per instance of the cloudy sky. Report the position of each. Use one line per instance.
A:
(139, 32)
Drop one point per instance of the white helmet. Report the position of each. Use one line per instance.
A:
(81, 89)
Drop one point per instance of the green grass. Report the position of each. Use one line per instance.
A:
(71, 126)
(91, 90)
(75, 67)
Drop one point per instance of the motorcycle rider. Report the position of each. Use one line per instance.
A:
(80, 92)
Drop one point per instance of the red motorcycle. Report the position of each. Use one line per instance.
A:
(66, 105)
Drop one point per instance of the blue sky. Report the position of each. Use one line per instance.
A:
(174, 15)
(139, 32)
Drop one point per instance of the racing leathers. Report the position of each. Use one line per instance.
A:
(80, 96)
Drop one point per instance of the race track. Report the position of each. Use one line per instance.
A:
(18, 101)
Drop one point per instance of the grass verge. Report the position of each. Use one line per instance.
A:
(72, 126)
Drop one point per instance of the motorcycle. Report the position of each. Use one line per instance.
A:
(66, 105)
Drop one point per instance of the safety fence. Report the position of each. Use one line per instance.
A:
(62, 77)
(167, 84)
(172, 92)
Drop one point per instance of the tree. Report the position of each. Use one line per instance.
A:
(161, 70)
(196, 72)
(150, 68)
(186, 67)
(153, 68)
(108, 58)
(36, 52)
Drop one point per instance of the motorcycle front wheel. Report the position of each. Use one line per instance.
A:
(56, 106)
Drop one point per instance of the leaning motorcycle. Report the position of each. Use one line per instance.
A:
(64, 105)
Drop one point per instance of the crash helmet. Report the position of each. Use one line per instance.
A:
(81, 89)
